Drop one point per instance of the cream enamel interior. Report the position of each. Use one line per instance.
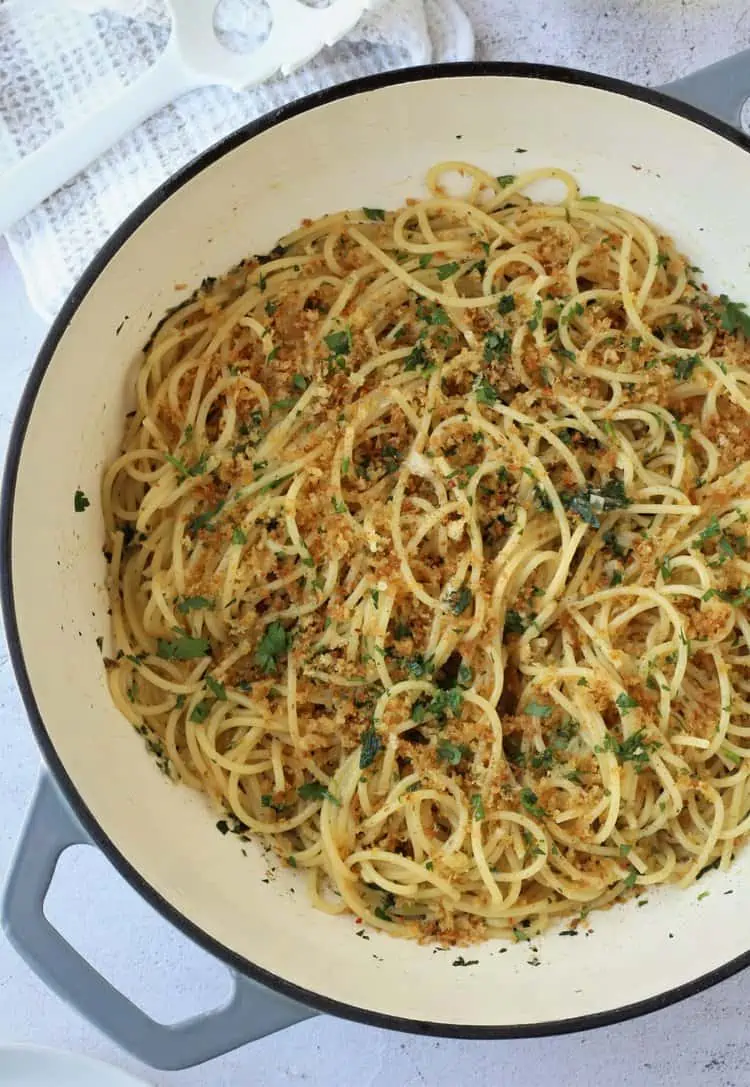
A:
(371, 148)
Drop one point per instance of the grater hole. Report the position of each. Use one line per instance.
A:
(242, 26)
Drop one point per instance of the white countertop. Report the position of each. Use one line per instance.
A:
(704, 1040)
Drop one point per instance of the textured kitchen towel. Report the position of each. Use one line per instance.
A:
(60, 60)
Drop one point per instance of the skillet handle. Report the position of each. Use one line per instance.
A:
(252, 1012)
(721, 89)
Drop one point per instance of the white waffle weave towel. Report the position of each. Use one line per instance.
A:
(60, 60)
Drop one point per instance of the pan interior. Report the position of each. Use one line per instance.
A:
(370, 148)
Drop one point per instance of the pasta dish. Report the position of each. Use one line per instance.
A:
(428, 557)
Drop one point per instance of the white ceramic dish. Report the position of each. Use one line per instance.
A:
(31, 1066)
(368, 143)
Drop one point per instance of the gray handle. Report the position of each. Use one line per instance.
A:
(721, 89)
(252, 1012)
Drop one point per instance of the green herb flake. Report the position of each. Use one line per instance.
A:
(316, 790)
(485, 392)
(635, 749)
(684, 366)
(506, 305)
(624, 702)
(496, 346)
(505, 180)
(272, 646)
(418, 359)
(205, 520)
(374, 213)
(459, 600)
(425, 259)
(712, 529)
(183, 648)
(216, 688)
(530, 801)
(340, 343)
(195, 603)
(445, 271)
(536, 316)
(371, 746)
(238, 536)
(734, 317)
(80, 501)
(452, 753)
(201, 712)
(477, 806)
(536, 709)
(514, 622)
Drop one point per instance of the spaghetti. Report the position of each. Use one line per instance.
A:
(428, 557)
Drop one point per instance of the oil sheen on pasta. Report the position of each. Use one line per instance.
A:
(429, 558)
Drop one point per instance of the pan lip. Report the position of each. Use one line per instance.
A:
(243, 966)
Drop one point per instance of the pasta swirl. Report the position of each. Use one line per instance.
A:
(428, 557)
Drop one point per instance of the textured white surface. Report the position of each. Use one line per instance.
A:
(702, 1041)
(58, 65)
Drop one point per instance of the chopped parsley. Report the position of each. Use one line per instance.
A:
(452, 753)
(536, 709)
(496, 345)
(316, 790)
(268, 802)
(201, 712)
(194, 603)
(624, 702)
(459, 600)
(417, 666)
(182, 648)
(485, 392)
(425, 259)
(590, 502)
(217, 689)
(445, 271)
(635, 749)
(80, 501)
(734, 317)
(536, 316)
(505, 180)
(374, 213)
(272, 646)
(205, 519)
(514, 622)
(665, 567)
(631, 877)
(439, 705)
(371, 746)
(712, 529)
(683, 367)
(238, 536)
(340, 343)
(530, 801)
(506, 304)
(182, 469)
(417, 359)
(477, 806)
